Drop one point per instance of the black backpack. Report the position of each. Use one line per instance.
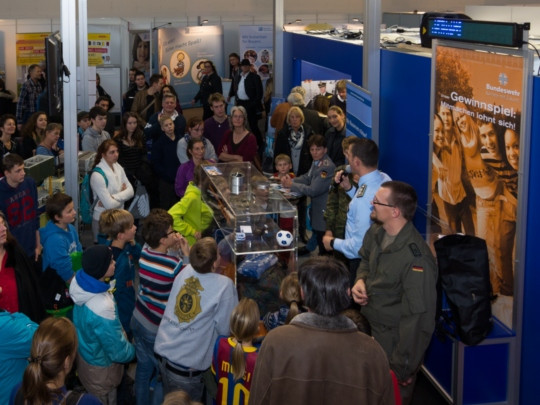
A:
(464, 283)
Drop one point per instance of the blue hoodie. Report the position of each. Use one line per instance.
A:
(17, 333)
(58, 247)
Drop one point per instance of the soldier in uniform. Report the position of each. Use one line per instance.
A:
(363, 156)
(315, 184)
(396, 283)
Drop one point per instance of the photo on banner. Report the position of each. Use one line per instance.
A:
(140, 52)
(256, 45)
(181, 56)
(476, 148)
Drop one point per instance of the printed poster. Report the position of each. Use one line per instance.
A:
(30, 48)
(476, 148)
(256, 44)
(99, 47)
(181, 56)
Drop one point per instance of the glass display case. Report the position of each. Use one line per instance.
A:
(256, 220)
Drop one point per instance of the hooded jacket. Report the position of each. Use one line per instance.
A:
(191, 214)
(102, 340)
(58, 246)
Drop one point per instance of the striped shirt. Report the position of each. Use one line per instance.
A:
(157, 272)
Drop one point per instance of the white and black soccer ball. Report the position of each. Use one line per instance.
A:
(284, 238)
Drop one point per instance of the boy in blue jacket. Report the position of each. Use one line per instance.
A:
(119, 226)
(103, 345)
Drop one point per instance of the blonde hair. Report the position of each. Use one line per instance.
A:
(244, 327)
(55, 340)
(282, 157)
(297, 111)
(178, 398)
(163, 118)
(290, 293)
(115, 221)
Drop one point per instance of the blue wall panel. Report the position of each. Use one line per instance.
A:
(404, 122)
(530, 343)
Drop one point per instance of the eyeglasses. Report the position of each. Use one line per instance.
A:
(375, 202)
(170, 233)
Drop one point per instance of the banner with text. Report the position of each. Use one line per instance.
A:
(99, 47)
(256, 44)
(476, 136)
(181, 56)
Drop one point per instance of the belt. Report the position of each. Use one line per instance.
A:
(177, 371)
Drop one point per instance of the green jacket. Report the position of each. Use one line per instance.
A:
(401, 287)
(337, 207)
(191, 214)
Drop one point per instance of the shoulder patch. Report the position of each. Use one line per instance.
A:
(324, 174)
(414, 250)
(361, 191)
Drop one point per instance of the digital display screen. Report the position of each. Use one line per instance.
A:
(484, 32)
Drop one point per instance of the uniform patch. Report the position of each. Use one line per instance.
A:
(188, 300)
(414, 250)
(361, 191)
(418, 269)
(324, 174)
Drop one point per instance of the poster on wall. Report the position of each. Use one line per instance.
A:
(181, 56)
(99, 46)
(256, 44)
(30, 49)
(140, 52)
(476, 148)
(359, 111)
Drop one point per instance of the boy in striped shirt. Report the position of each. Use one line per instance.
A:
(157, 271)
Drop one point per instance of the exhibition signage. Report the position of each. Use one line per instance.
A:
(181, 56)
(359, 111)
(30, 48)
(99, 49)
(479, 98)
(256, 44)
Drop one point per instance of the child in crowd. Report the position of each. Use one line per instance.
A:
(61, 247)
(119, 226)
(157, 271)
(54, 347)
(83, 123)
(178, 398)
(234, 357)
(315, 184)
(197, 312)
(103, 344)
(165, 161)
(283, 166)
(289, 292)
(192, 216)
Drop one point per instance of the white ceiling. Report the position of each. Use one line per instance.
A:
(180, 9)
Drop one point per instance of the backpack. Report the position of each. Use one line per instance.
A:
(465, 285)
(87, 203)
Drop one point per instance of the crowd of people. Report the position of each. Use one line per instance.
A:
(157, 297)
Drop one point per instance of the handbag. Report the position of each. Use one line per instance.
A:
(54, 291)
(140, 205)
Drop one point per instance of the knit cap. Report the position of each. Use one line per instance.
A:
(96, 260)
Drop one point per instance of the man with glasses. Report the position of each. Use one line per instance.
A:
(395, 283)
(363, 159)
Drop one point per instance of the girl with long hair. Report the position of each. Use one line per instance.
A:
(109, 182)
(239, 354)
(289, 293)
(54, 348)
(33, 133)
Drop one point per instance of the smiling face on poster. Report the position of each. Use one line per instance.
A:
(180, 64)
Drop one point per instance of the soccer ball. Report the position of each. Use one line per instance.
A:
(284, 238)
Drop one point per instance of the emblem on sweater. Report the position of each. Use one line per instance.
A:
(188, 300)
